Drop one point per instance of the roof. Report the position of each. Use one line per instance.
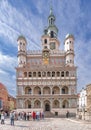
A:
(21, 37)
(69, 36)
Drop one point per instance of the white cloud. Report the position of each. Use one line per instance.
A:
(17, 24)
(7, 63)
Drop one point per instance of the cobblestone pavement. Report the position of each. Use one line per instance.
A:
(47, 124)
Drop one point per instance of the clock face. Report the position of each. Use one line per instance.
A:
(52, 45)
(45, 55)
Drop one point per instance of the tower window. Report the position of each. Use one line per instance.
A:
(52, 34)
(51, 21)
(45, 41)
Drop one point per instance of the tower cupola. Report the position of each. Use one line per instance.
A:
(52, 30)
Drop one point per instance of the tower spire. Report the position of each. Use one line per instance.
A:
(51, 10)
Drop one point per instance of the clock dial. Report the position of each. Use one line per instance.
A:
(45, 55)
(52, 45)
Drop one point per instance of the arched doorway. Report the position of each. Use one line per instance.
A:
(65, 104)
(47, 107)
(28, 104)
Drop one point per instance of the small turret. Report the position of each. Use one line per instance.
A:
(22, 43)
(69, 49)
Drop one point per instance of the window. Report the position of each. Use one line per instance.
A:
(39, 74)
(58, 74)
(45, 41)
(48, 74)
(62, 74)
(34, 74)
(30, 74)
(53, 74)
(52, 34)
(29, 91)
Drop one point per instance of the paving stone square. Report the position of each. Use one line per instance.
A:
(47, 124)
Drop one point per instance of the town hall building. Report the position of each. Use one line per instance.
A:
(47, 78)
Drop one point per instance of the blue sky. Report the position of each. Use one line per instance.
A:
(29, 18)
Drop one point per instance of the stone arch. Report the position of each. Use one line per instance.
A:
(47, 106)
(56, 90)
(37, 90)
(65, 104)
(37, 104)
(56, 104)
(28, 90)
(46, 90)
(27, 103)
(65, 90)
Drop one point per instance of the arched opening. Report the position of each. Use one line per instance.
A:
(67, 73)
(37, 90)
(65, 104)
(30, 74)
(39, 74)
(28, 104)
(62, 74)
(47, 107)
(55, 90)
(52, 34)
(46, 90)
(56, 104)
(45, 41)
(65, 90)
(58, 74)
(37, 104)
(28, 90)
(34, 74)
(53, 74)
(48, 74)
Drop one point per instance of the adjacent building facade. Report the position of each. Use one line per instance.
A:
(7, 102)
(84, 104)
(46, 79)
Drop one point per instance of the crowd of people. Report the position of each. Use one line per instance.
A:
(13, 115)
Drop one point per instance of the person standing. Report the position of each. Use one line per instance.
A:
(2, 118)
(12, 118)
(67, 114)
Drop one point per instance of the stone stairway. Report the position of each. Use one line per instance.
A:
(48, 114)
